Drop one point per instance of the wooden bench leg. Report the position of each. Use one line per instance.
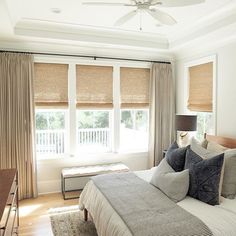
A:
(85, 214)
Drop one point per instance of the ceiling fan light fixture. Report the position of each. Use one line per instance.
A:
(149, 6)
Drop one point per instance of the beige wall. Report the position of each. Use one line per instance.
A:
(225, 90)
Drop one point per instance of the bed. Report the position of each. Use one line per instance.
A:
(220, 219)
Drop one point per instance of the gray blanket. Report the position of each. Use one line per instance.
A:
(145, 209)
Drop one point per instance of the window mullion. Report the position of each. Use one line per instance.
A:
(72, 108)
(116, 109)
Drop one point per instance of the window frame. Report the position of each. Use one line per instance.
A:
(71, 112)
(213, 59)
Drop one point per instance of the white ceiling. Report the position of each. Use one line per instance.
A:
(32, 21)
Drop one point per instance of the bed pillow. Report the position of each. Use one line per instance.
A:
(174, 184)
(229, 181)
(205, 174)
(175, 156)
(201, 150)
(215, 147)
(205, 153)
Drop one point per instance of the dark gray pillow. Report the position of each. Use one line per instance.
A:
(204, 182)
(175, 156)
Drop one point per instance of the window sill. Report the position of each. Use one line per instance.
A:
(109, 156)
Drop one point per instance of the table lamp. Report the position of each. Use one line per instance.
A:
(184, 124)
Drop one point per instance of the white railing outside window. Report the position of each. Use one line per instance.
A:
(96, 136)
(53, 141)
(50, 141)
(94, 139)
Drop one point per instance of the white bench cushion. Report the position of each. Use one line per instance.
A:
(93, 170)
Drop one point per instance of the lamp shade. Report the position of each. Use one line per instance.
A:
(186, 122)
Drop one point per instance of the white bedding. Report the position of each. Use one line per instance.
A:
(221, 220)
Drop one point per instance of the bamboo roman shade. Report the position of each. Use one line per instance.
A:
(201, 87)
(51, 85)
(134, 87)
(94, 86)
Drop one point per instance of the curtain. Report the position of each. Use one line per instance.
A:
(17, 148)
(162, 111)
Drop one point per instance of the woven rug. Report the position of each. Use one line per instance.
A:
(69, 221)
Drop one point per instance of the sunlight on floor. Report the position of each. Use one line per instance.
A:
(27, 210)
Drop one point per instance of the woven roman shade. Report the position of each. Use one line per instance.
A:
(134, 87)
(51, 85)
(94, 86)
(201, 87)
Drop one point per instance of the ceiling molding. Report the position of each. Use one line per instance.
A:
(73, 32)
(77, 49)
(205, 29)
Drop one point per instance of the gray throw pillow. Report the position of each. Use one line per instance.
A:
(175, 156)
(229, 180)
(174, 184)
(205, 177)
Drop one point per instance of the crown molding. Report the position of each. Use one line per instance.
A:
(73, 32)
(61, 47)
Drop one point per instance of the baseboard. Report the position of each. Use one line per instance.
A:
(50, 186)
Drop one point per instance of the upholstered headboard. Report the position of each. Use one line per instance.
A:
(226, 142)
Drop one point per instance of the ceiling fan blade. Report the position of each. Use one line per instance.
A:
(125, 18)
(162, 17)
(178, 3)
(104, 3)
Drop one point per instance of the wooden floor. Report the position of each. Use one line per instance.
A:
(34, 216)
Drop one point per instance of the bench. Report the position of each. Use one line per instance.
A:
(87, 171)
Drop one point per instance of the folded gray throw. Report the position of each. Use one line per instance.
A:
(145, 209)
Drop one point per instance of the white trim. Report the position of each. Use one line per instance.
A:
(116, 111)
(72, 108)
(203, 60)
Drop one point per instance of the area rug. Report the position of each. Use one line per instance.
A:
(69, 221)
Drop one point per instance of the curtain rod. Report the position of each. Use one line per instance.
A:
(85, 56)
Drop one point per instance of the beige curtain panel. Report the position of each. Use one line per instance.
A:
(134, 87)
(161, 112)
(17, 148)
(94, 86)
(51, 85)
(201, 87)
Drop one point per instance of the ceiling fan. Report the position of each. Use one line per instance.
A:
(148, 6)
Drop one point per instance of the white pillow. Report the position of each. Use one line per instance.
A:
(174, 184)
(215, 147)
(198, 148)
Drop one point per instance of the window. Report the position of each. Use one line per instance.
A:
(94, 90)
(134, 93)
(205, 124)
(200, 98)
(50, 131)
(51, 101)
(134, 129)
(94, 134)
(90, 108)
